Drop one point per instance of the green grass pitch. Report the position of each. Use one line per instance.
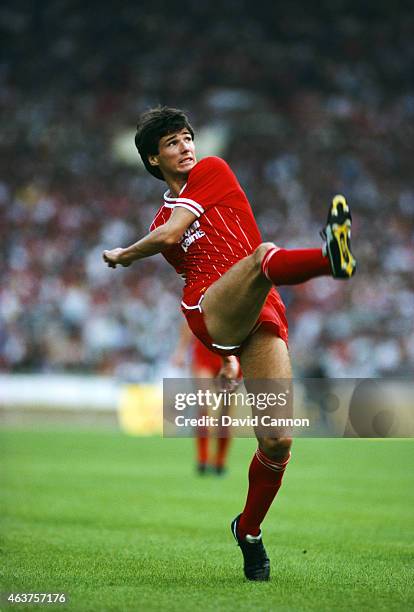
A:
(123, 523)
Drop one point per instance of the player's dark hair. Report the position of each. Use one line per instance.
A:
(152, 126)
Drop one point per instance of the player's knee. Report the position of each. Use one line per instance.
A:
(261, 251)
(275, 448)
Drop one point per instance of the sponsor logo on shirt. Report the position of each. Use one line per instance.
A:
(190, 235)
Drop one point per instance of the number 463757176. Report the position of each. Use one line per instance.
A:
(34, 598)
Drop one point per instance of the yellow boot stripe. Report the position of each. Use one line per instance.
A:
(341, 235)
(339, 199)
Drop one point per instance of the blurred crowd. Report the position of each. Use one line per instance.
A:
(302, 105)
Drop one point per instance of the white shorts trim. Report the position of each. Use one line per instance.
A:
(226, 348)
(196, 307)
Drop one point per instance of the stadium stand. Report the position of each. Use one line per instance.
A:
(310, 105)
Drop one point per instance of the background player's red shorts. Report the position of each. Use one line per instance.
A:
(204, 359)
(272, 317)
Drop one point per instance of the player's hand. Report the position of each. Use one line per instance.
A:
(114, 258)
(229, 373)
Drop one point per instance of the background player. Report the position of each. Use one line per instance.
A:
(207, 231)
(204, 364)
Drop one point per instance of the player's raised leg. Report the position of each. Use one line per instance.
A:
(232, 304)
(264, 356)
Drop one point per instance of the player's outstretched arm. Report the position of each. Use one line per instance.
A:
(155, 242)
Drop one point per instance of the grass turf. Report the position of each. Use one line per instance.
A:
(122, 523)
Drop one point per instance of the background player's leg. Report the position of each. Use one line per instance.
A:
(223, 443)
(223, 440)
(202, 433)
(264, 356)
(202, 448)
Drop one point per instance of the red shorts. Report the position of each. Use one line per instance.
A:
(204, 359)
(272, 317)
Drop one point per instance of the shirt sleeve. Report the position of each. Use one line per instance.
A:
(208, 184)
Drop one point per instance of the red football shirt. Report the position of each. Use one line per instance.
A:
(223, 232)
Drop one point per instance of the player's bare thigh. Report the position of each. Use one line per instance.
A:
(265, 356)
(233, 303)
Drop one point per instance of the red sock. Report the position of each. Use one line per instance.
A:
(202, 445)
(265, 479)
(222, 449)
(291, 267)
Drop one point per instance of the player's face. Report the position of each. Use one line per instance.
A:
(176, 154)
